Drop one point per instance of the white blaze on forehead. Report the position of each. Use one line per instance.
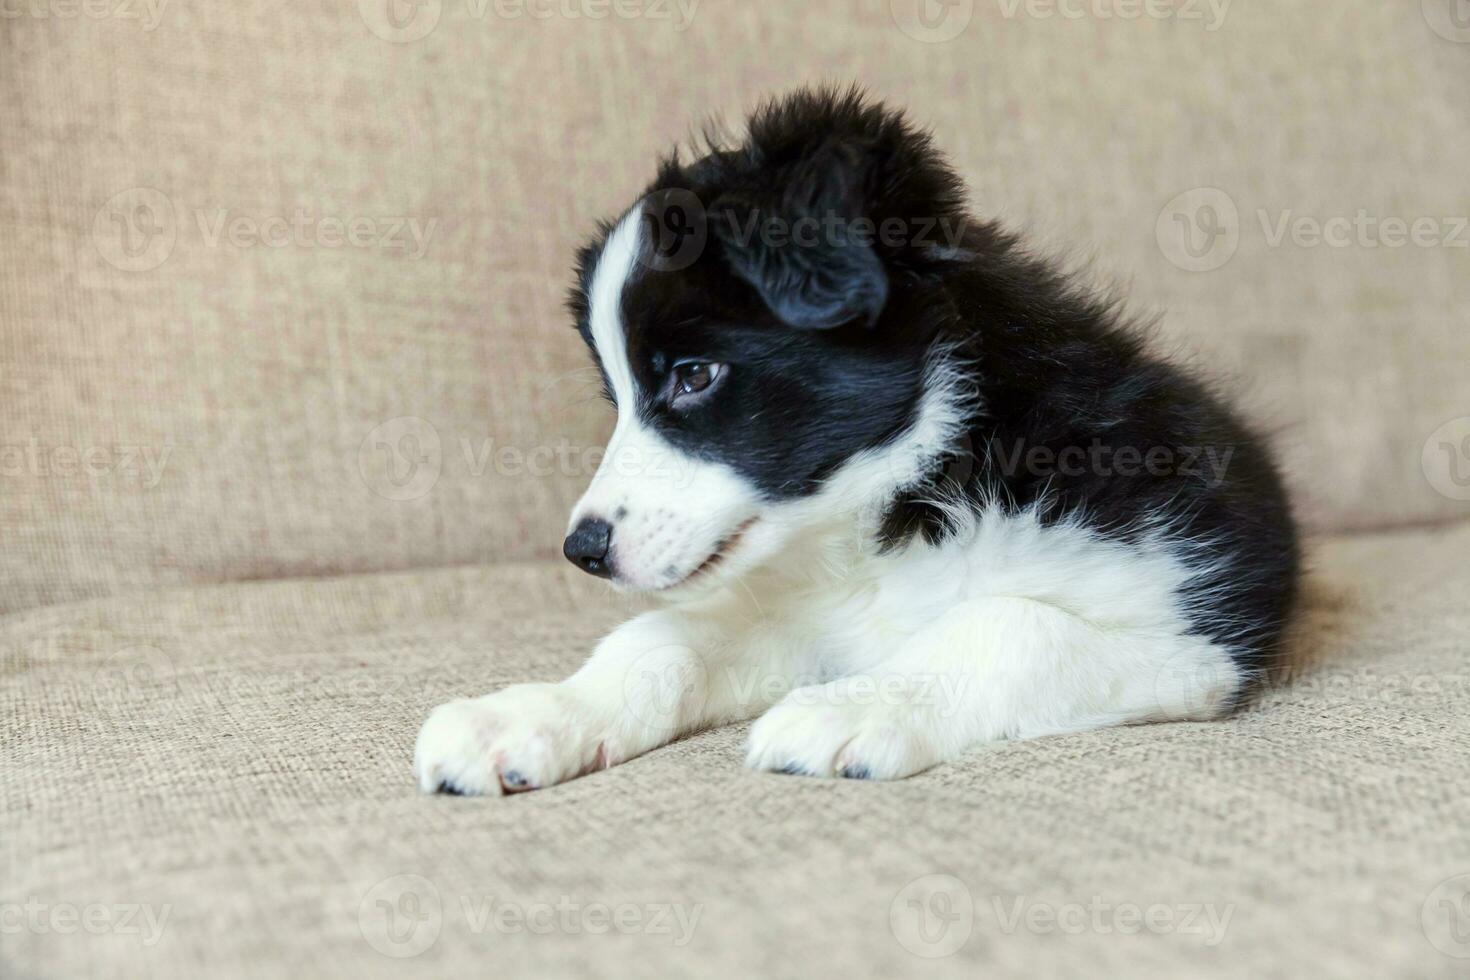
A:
(615, 267)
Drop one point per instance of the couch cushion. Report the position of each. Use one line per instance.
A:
(204, 377)
(235, 760)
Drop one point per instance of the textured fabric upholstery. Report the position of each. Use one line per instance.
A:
(291, 418)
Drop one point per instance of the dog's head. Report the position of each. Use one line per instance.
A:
(767, 323)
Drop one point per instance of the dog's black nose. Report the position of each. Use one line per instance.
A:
(586, 547)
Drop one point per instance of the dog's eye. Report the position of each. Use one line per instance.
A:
(692, 379)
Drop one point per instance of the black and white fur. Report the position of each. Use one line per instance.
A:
(815, 466)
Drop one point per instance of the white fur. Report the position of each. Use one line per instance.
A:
(863, 663)
(670, 510)
(615, 267)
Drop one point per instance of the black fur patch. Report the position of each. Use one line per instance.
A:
(827, 339)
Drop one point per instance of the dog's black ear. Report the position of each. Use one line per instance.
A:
(807, 251)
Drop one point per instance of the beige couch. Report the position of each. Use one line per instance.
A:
(290, 419)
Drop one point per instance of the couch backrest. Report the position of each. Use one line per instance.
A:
(281, 284)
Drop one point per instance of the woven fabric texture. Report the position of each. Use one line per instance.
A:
(239, 755)
(291, 418)
(281, 297)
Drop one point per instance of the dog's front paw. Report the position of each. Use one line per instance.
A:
(834, 730)
(522, 738)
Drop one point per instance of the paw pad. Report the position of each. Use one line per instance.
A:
(514, 782)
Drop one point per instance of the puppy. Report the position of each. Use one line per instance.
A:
(901, 487)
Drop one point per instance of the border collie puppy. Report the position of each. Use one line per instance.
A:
(903, 488)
